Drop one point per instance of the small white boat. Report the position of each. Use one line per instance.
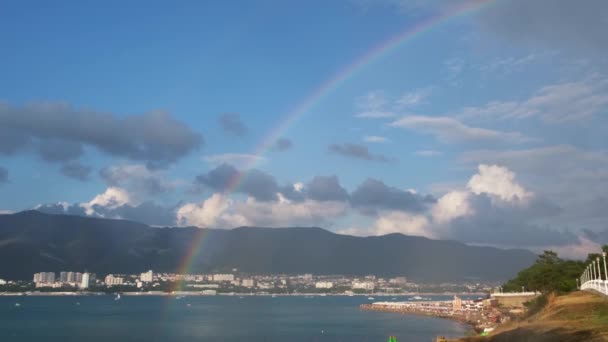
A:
(117, 296)
(17, 304)
(371, 298)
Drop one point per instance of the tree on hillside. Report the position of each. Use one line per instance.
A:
(548, 274)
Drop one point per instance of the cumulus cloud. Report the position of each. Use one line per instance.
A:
(373, 195)
(137, 178)
(493, 209)
(448, 130)
(218, 211)
(3, 175)
(76, 170)
(231, 123)
(404, 223)
(499, 181)
(293, 192)
(112, 198)
(59, 132)
(357, 151)
(208, 213)
(254, 183)
(147, 212)
(450, 206)
(326, 188)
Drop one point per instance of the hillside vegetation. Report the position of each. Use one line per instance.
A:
(576, 317)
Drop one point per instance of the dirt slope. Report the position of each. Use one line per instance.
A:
(580, 316)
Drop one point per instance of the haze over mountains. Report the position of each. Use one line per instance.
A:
(31, 242)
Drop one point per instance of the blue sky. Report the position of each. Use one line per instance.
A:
(492, 129)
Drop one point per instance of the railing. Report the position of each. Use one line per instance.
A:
(593, 278)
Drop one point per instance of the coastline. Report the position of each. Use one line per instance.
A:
(199, 293)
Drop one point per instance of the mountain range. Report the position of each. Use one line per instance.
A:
(32, 241)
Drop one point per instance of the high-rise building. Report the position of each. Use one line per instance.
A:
(146, 277)
(457, 303)
(44, 277)
(70, 277)
(77, 277)
(85, 281)
(63, 277)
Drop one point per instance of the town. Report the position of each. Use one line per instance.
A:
(150, 282)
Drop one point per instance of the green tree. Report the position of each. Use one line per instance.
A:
(548, 274)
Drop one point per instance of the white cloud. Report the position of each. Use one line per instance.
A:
(498, 181)
(450, 206)
(447, 130)
(220, 211)
(238, 160)
(404, 223)
(112, 198)
(210, 213)
(374, 139)
(5, 212)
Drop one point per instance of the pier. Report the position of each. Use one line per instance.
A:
(477, 313)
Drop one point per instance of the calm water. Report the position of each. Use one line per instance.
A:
(252, 319)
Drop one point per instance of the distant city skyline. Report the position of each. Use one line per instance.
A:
(443, 119)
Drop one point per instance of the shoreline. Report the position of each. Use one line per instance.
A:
(475, 321)
(229, 294)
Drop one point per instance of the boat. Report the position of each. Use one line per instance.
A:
(371, 298)
(117, 296)
(416, 298)
(17, 304)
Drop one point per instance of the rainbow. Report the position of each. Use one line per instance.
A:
(332, 83)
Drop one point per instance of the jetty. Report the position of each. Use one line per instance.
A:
(480, 314)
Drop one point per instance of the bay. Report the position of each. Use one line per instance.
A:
(219, 318)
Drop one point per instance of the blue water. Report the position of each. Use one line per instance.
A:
(221, 318)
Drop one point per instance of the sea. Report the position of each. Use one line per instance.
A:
(213, 318)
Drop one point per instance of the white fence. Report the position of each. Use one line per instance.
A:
(595, 277)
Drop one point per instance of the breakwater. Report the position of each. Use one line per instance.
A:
(476, 314)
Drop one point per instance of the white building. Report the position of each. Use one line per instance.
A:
(223, 277)
(363, 285)
(112, 280)
(247, 283)
(324, 285)
(398, 281)
(2, 282)
(44, 277)
(146, 277)
(86, 280)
